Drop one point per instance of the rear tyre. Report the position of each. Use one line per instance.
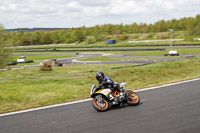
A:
(133, 99)
(102, 106)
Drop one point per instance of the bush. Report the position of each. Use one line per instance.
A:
(163, 36)
(135, 36)
(90, 40)
(123, 37)
(150, 35)
(69, 41)
(46, 67)
(189, 38)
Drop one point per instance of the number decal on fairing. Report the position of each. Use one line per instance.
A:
(106, 91)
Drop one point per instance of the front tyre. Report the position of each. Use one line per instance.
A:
(102, 105)
(133, 99)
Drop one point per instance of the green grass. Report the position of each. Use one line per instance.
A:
(126, 42)
(101, 58)
(81, 52)
(180, 51)
(43, 57)
(141, 53)
(26, 64)
(28, 88)
(44, 52)
(104, 58)
(38, 57)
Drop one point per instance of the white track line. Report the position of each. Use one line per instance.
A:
(156, 87)
(89, 99)
(46, 107)
(85, 61)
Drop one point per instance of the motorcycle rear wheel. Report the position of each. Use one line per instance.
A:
(101, 107)
(133, 98)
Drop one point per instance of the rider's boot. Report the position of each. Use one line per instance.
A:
(115, 101)
(122, 93)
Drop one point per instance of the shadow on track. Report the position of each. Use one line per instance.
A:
(122, 106)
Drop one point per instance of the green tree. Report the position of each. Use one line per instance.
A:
(36, 38)
(47, 38)
(3, 51)
(78, 35)
(197, 26)
(104, 32)
(55, 37)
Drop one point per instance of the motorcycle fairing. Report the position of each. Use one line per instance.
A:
(105, 92)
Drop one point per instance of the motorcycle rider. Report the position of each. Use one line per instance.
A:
(106, 82)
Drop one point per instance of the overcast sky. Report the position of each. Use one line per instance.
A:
(77, 13)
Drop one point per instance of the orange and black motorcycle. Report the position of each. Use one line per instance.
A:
(104, 99)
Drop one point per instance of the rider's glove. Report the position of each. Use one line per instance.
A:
(100, 87)
(103, 83)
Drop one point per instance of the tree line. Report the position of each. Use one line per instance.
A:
(101, 32)
(3, 51)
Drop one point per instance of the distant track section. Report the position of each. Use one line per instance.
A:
(108, 49)
(109, 46)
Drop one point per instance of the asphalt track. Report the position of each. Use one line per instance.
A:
(73, 61)
(166, 109)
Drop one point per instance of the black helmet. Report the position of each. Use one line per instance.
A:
(99, 75)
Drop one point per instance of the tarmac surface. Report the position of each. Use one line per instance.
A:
(74, 60)
(168, 109)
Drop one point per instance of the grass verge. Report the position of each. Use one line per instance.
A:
(180, 51)
(104, 58)
(29, 88)
(43, 57)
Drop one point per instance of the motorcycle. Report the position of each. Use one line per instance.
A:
(104, 99)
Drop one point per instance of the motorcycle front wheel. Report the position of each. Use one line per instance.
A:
(101, 106)
(133, 98)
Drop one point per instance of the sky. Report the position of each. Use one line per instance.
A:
(78, 13)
